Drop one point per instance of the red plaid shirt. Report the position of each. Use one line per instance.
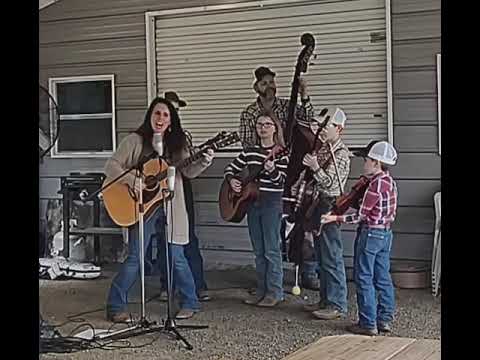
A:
(379, 204)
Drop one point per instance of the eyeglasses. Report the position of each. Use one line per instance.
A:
(264, 125)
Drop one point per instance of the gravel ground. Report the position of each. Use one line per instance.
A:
(236, 331)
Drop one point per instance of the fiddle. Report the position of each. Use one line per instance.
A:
(352, 199)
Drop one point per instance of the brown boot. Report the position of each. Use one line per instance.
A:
(328, 314)
(357, 329)
(314, 307)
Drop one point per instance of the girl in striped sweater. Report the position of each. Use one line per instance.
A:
(265, 214)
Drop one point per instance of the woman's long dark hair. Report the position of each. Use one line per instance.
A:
(174, 138)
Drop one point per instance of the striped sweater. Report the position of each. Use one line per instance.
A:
(252, 158)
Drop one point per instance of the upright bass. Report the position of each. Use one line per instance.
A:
(299, 137)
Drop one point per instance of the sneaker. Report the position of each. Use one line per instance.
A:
(120, 317)
(310, 283)
(357, 329)
(384, 327)
(203, 295)
(315, 306)
(269, 301)
(328, 314)
(185, 314)
(253, 300)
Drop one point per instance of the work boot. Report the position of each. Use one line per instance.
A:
(315, 306)
(357, 329)
(384, 327)
(328, 313)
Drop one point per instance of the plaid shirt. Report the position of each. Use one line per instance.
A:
(327, 180)
(248, 136)
(379, 204)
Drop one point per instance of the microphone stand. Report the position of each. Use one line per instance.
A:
(169, 323)
(143, 326)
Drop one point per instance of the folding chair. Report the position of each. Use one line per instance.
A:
(436, 256)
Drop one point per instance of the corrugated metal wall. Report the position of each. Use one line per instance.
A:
(99, 37)
(209, 57)
(416, 41)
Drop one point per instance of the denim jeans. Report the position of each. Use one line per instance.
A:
(309, 269)
(264, 217)
(372, 277)
(129, 272)
(192, 249)
(329, 253)
(194, 259)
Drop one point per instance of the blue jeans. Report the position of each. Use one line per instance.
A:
(264, 218)
(309, 269)
(372, 277)
(194, 259)
(118, 296)
(329, 253)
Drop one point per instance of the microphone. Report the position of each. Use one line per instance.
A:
(157, 143)
(171, 178)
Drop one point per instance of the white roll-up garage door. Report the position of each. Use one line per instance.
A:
(208, 57)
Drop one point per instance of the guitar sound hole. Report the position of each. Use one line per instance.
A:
(150, 182)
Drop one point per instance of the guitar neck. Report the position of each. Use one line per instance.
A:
(179, 165)
(186, 162)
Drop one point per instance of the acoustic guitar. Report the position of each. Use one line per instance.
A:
(121, 201)
(233, 206)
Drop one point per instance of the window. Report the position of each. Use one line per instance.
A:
(86, 106)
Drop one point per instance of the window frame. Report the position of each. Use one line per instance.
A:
(52, 86)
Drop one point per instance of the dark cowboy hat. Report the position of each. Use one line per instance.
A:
(363, 152)
(172, 96)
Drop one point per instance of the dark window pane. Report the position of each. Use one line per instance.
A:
(86, 97)
(85, 135)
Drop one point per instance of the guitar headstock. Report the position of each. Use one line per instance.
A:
(217, 137)
(223, 139)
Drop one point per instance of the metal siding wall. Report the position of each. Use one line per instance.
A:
(416, 41)
(417, 173)
(209, 57)
(91, 37)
